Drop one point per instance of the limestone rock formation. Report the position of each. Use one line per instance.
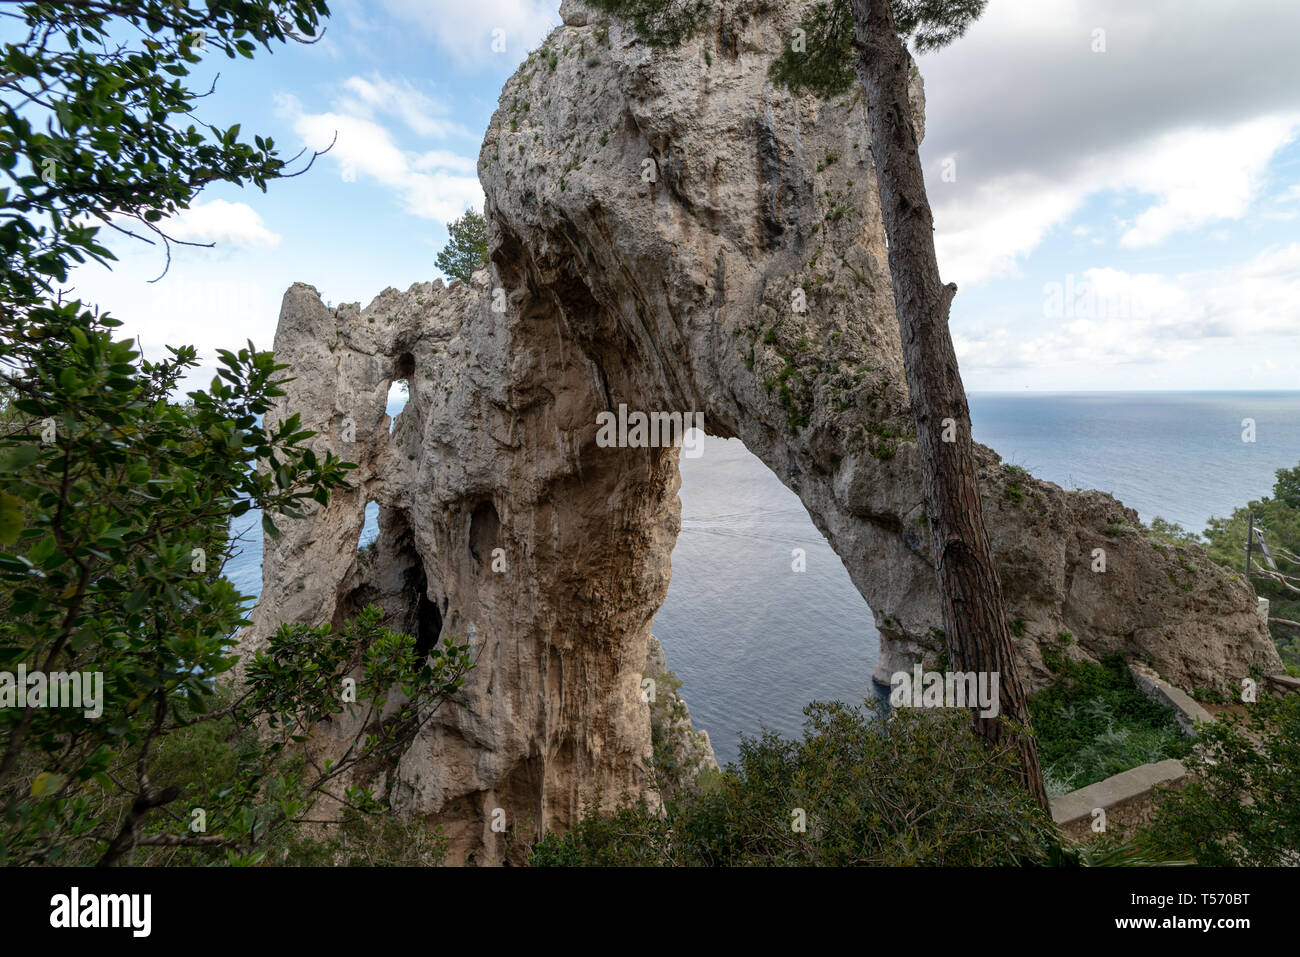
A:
(681, 751)
(670, 231)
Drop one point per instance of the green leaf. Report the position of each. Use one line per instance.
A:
(11, 518)
(47, 782)
(42, 550)
(18, 457)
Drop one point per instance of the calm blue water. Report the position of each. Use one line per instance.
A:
(1179, 455)
(753, 641)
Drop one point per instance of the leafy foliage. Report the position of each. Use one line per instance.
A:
(294, 682)
(1094, 722)
(97, 124)
(259, 801)
(660, 23)
(1171, 533)
(1279, 519)
(1242, 805)
(933, 24)
(124, 501)
(116, 500)
(124, 496)
(1224, 541)
(918, 788)
(825, 65)
(466, 250)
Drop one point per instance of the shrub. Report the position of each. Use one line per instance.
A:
(917, 788)
(1242, 805)
(201, 760)
(239, 759)
(1171, 533)
(1014, 475)
(1094, 722)
(1277, 519)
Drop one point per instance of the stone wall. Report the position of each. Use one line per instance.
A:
(1127, 800)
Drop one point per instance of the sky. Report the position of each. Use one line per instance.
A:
(1116, 185)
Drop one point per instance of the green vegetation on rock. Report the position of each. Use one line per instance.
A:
(821, 59)
(466, 251)
(660, 23)
(1224, 541)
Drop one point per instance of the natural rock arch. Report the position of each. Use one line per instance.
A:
(676, 294)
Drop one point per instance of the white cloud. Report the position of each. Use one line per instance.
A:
(466, 29)
(1202, 176)
(221, 222)
(1262, 298)
(1185, 109)
(1195, 176)
(204, 301)
(444, 159)
(986, 231)
(1107, 317)
(434, 184)
(365, 96)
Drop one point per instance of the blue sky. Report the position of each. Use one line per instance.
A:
(1120, 210)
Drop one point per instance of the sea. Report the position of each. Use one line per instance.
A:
(753, 642)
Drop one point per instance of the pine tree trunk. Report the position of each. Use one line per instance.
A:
(974, 619)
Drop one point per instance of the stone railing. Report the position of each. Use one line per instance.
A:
(1125, 801)
(1186, 711)
(1118, 805)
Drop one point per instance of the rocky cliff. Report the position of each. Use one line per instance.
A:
(671, 232)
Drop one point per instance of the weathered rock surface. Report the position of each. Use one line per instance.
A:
(681, 751)
(677, 291)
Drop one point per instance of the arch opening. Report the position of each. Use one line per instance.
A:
(391, 574)
(399, 389)
(427, 628)
(753, 638)
(484, 532)
(368, 539)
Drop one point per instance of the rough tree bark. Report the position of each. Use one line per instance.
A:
(978, 636)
